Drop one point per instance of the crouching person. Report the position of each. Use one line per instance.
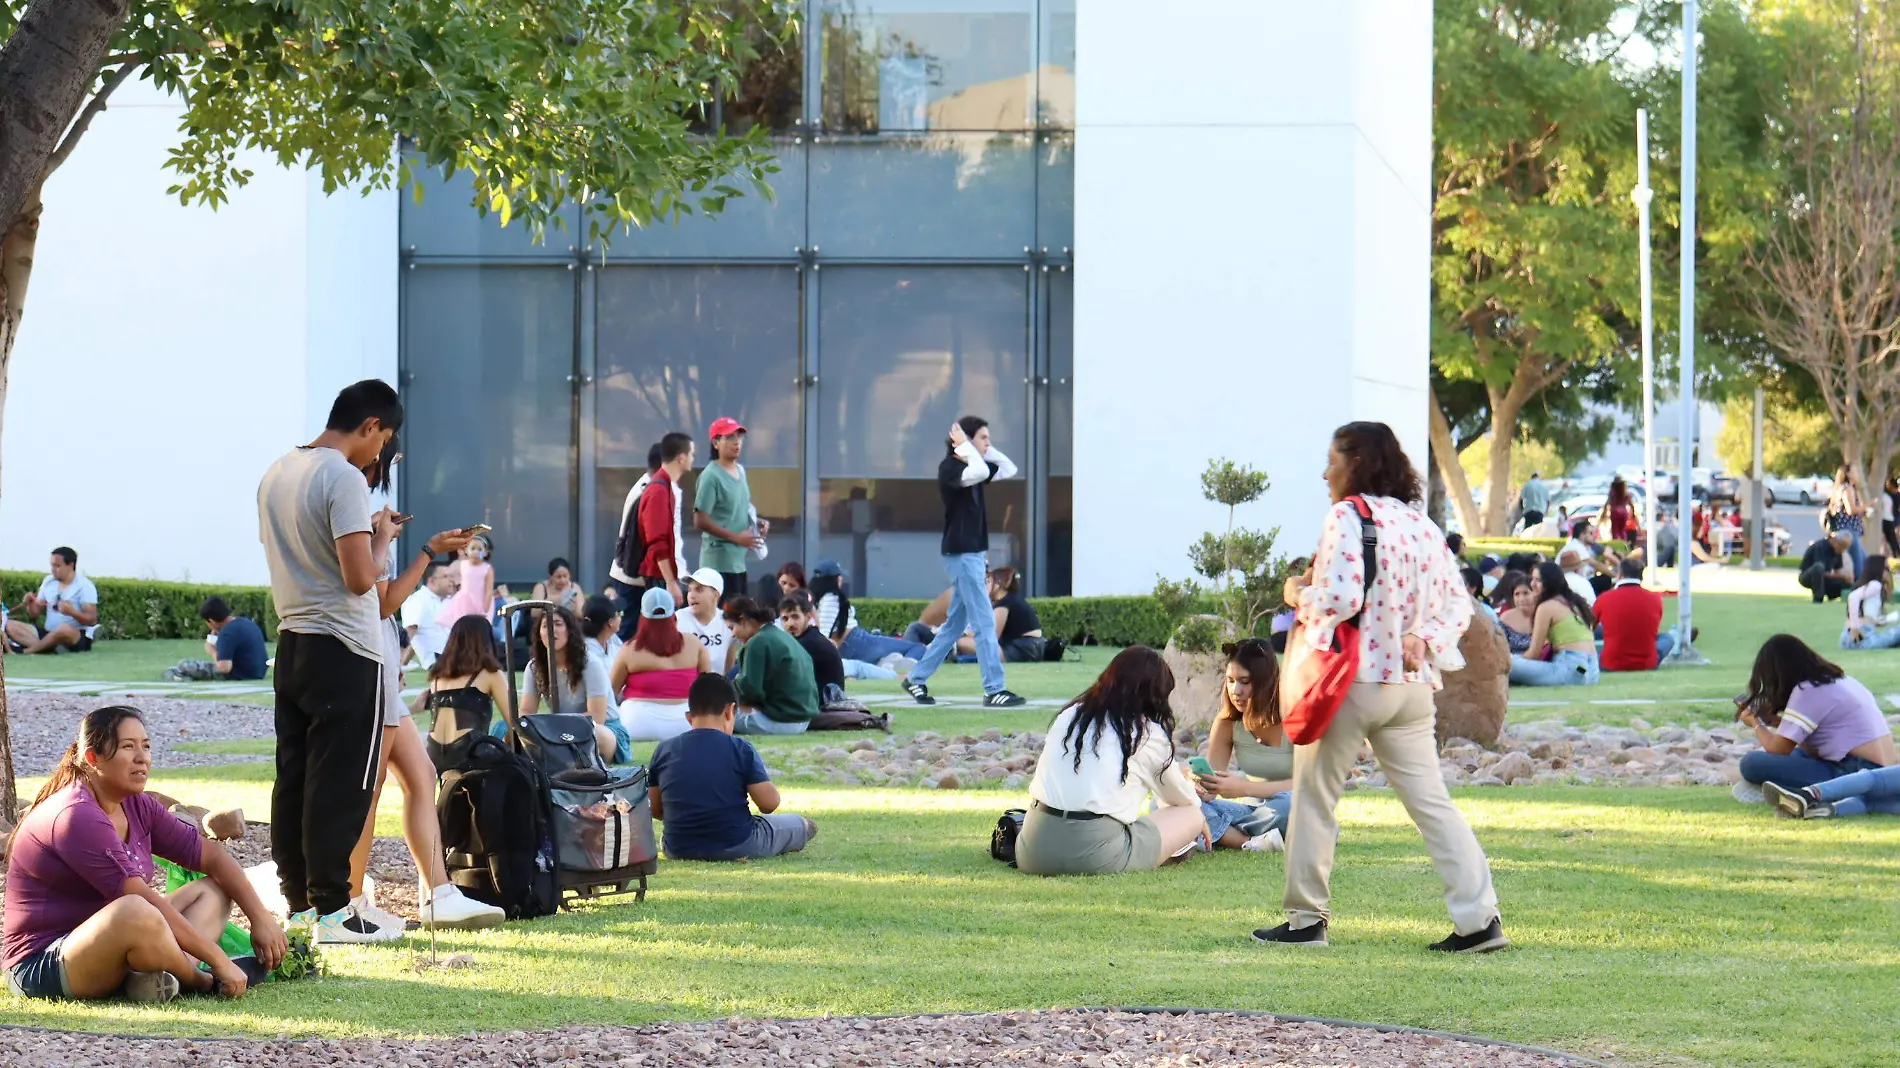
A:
(84, 915)
(701, 781)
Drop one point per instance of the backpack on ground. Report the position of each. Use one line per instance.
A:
(1053, 650)
(1003, 837)
(494, 831)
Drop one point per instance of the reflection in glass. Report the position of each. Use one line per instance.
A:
(777, 492)
(940, 195)
(927, 65)
(1055, 74)
(751, 226)
(771, 90)
(489, 433)
(446, 223)
(888, 532)
(1055, 192)
(1059, 434)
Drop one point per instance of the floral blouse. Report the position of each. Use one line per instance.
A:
(1415, 590)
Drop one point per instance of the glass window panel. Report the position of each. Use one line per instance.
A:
(927, 65)
(771, 90)
(777, 492)
(1055, 74)
(1055, 193)
(1059, 432)
(489, 433)
(943, 196)
(446, 223)
(888, 532)
(750, 226)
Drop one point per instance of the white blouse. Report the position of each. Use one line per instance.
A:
(1098, 786)
(1863, 605)
(1415, 590)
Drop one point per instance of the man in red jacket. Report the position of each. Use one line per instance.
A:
(1631, 616)
(659, 516)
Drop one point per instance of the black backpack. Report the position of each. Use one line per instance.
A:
(630, 548)
(495, 831)
(1003, 838)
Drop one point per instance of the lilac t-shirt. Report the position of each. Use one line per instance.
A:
(1833, 718)
(68, 862)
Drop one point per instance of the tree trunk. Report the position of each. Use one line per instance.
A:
(1445, 456)
(46, 69)
(1435, 493)
(1497, 474)
(16, 269)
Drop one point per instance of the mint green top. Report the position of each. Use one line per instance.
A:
(1260, 760)
(727, 501)
(1570, 631)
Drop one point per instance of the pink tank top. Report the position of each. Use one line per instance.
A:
(669, 684)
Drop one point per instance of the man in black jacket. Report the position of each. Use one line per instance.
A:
(968, 465)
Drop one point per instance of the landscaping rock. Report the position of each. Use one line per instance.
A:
(226, 826)
(1513, 767)
(1198, 678)
(947, 781)
(1473, 703)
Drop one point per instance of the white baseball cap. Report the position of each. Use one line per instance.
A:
(706, 576)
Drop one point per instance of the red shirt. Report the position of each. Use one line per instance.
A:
(1631, 618)
(655, 516)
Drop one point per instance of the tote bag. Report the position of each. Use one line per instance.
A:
(1314, 682)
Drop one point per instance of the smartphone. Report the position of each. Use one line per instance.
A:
(477, 528)
(1200, 766)
(401, 519)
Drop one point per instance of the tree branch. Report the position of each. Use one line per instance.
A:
(93, 107)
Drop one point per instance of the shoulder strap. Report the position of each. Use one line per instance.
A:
(1369, 547)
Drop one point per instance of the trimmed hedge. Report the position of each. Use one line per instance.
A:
(147, 608)
(1077, 620)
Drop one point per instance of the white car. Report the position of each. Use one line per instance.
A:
(1812, 489)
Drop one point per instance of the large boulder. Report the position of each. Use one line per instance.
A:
(1474, 700)
(1198, 678)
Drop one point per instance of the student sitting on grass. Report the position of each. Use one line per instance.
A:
(584, 689)
(701, 780)
(1249, 810)
(1869, 791)
(84, 917)
(1866, 604)
(465, 687)
(778, 693)
(654, 673)
(1814, 722)
(1105, 755)
(795, 618)
(1562, 628)
(236, 647)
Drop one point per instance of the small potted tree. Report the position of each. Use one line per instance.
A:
(1238, 584)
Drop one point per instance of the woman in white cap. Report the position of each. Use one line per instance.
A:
(655, 671)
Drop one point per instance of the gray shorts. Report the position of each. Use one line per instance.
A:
(772, 836)
(1053, 845)
(393, 710)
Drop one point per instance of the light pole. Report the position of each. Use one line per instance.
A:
(1642, 195)
(1685, 486)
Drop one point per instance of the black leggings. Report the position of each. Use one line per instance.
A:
(329, 739)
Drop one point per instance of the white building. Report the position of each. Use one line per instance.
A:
(1133, 242)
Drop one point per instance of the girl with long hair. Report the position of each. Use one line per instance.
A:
(1018, 628)
(1562, 623)
(84, 915)
(1813, 720)
(1515, 604)
(1847, 511)
(440, 902)
(1619, 512)
(1248, 810)
(1866, 604)
(572, 682)
(1106, 754)
(465, 687)
(1411, 616)
(654, 673)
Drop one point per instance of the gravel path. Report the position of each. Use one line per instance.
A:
(44, 724)
(1082, 1039)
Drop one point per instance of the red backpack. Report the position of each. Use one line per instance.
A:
(1314, 682)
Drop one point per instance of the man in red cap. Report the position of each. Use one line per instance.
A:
(722, 510)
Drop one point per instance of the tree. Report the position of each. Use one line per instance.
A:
(1798, 436)
(1246, 576)
(543, 102)
(1830, 260)
(1534, 284)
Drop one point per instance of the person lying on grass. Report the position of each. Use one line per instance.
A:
(1105, 755)
(701, 780)
(84, 917)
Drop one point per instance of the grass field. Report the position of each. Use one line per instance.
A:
(1659, 926)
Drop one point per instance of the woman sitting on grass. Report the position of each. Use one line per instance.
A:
(654, 673)
(1561, 623)
(1516, 606)
(1105, 755)
(1873, 791)
(1814, 722)
(84, 915)
(583, 688)
(1866, 603)
(465, 687)
(1247, 731)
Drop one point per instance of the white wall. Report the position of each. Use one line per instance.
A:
(1252, 231)
(165, 356)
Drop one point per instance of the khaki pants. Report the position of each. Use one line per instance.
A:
(1397, 720)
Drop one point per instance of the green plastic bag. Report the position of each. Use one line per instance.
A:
(236, 941)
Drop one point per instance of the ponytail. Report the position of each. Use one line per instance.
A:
(98, 732)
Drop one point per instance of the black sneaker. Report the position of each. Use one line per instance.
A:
(1799, 804)
(1003, 699)
(253, 969)
(1286, 935)
(1485, 941)
(918, 691)
(885, 720)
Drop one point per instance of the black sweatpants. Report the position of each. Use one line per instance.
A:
(329, 739)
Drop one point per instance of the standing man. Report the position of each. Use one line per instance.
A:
(659, 518)
(322, 542)
(722, 510)
(70, 603)
(1535, 498)
(624, 573)
(969, 464)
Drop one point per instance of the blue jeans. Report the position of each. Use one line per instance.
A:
(1875, 638)
(1797, 769)
(864, 669)
(1868, 790)
(1570, 667)
(751, 722)
(1857, 552)
(969, 608)
(861, 644)
(1270, 814)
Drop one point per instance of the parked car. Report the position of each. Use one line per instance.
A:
(1812, 489)
(1720, 487)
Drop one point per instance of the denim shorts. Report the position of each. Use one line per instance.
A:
(1252, 820)
(41, 975)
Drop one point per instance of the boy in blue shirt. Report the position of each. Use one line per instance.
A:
(236, 647)
(700, 782)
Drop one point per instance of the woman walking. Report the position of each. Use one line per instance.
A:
(1410, 621)
(1619, 513)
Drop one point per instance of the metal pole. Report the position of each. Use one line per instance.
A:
(1685, 487)
(1757, 525)
(1642, 195)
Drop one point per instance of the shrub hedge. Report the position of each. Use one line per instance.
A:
(147, 608)
(1078, 620)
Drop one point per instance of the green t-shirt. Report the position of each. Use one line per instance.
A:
(775, 677)
(727, 501)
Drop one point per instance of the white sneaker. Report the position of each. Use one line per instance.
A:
(352, 925)
(1750, 794)
(382, 916)
(1271, 842)
(158, 987)
(459, 912)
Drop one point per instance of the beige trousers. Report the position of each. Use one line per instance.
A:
(1397, 720)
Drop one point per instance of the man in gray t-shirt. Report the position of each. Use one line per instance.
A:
(322, 542)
